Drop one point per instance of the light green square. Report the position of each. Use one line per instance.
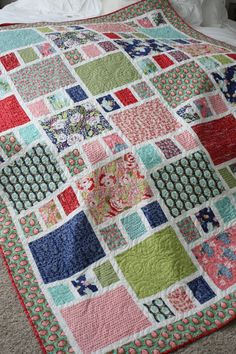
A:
(149, 156)
(223, 59)
(226, 209)
(28, 55)
(133, 225)
(61, 294)
(44, 29)
(156, 263)
(107, 73)
(228, 177)
(29, 133)
(106, 274)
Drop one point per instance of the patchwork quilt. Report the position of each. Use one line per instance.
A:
(118, 180)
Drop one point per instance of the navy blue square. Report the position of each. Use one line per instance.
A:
(66, 250)
(108, 103)
(154, 214)
(76, 93)
(201, 290)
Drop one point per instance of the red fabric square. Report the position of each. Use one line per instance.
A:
(163, 60)
(232, 55)
(68, 200)
(9, 61)
(112, 35)
(11, 114)
(126, 97)
(218, 137)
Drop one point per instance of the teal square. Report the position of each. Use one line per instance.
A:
(29, 133)
(61, 294)
(133, 226)
(149, 156)
(163, 32)
(226, 209)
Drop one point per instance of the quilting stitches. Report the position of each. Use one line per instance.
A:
(75, 125)
(187, 182)
(31, 178)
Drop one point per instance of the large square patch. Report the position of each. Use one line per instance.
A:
(66, 250)
(156, 263)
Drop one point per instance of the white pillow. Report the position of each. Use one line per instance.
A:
(189, 10)
(214, 13)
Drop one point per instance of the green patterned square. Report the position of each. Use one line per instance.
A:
(28, 55)
(133, 226)
(223, 59)
(105, 74)
(106, 274)
(228, 177)
(150, 267)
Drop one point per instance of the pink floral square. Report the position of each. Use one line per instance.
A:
(218, 104)
(186, 140)
(217, 257)
(95, 151)
(145, 22)
(38, 109)
(180, 300)
(50, 213)
(112, 311)
(92, 50)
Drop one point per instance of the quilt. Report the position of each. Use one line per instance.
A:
(118, 180)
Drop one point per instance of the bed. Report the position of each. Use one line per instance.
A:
(118, 177)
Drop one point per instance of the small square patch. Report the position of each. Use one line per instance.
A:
(168, 147)
(115, 143)
(113, 237)
(9, 61)
(68, 200)
(149, 156)
(85, 285)
(147, 66)
(76, 93)
(207, 220)
(188, 230)
(218, 104)
(126, 97)
(179, 56)
(91, 50)
(74, 57)
(61, 294)
(189, 113)
(4, 86)
(108, 103)
(106, 274)
(38, 109)
(186, 140)
(223, 59)
(95, 152)
(154, 214)
(163, 60)
(180, 300)
(74, 162)
(30, 225)
(228, 177)
(201, 290)
(29, 133)
(133, 226)
(143, 90)
(159, 310)
(46, 49)
(203, 107)
(50, 213)
(9, 144)
(226, 209)
(59, 100)
(112, 35)
(28, 55)
(107, 46)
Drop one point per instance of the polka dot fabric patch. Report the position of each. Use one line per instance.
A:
(117, 179)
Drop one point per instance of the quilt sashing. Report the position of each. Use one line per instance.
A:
(118, 180)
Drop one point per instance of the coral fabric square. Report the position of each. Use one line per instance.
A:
(163, 60)
(112, 311)
(95, 152)
(91, 50)
(68, 200)
(38, 109)
(147, 121)
(218, 104)
(218, 137)
(126, 97)
(9, 61)
(181, 300)
(11, 114)
(66, 250)
(187, 140)
(112, 35)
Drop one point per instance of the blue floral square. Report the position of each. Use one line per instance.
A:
(201, 290)
(108, 103)
(76, 93)
(66, 250)
(154, 214)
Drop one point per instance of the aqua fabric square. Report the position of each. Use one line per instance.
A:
(61, 294)
(18, 38)
(226, 209)
(163, 32)
(29, 133)
(154, 214)
(133, 226)
(149, 156)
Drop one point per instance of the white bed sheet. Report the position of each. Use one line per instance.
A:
(226, 34)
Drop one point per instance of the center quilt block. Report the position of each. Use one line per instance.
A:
(118, 180)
